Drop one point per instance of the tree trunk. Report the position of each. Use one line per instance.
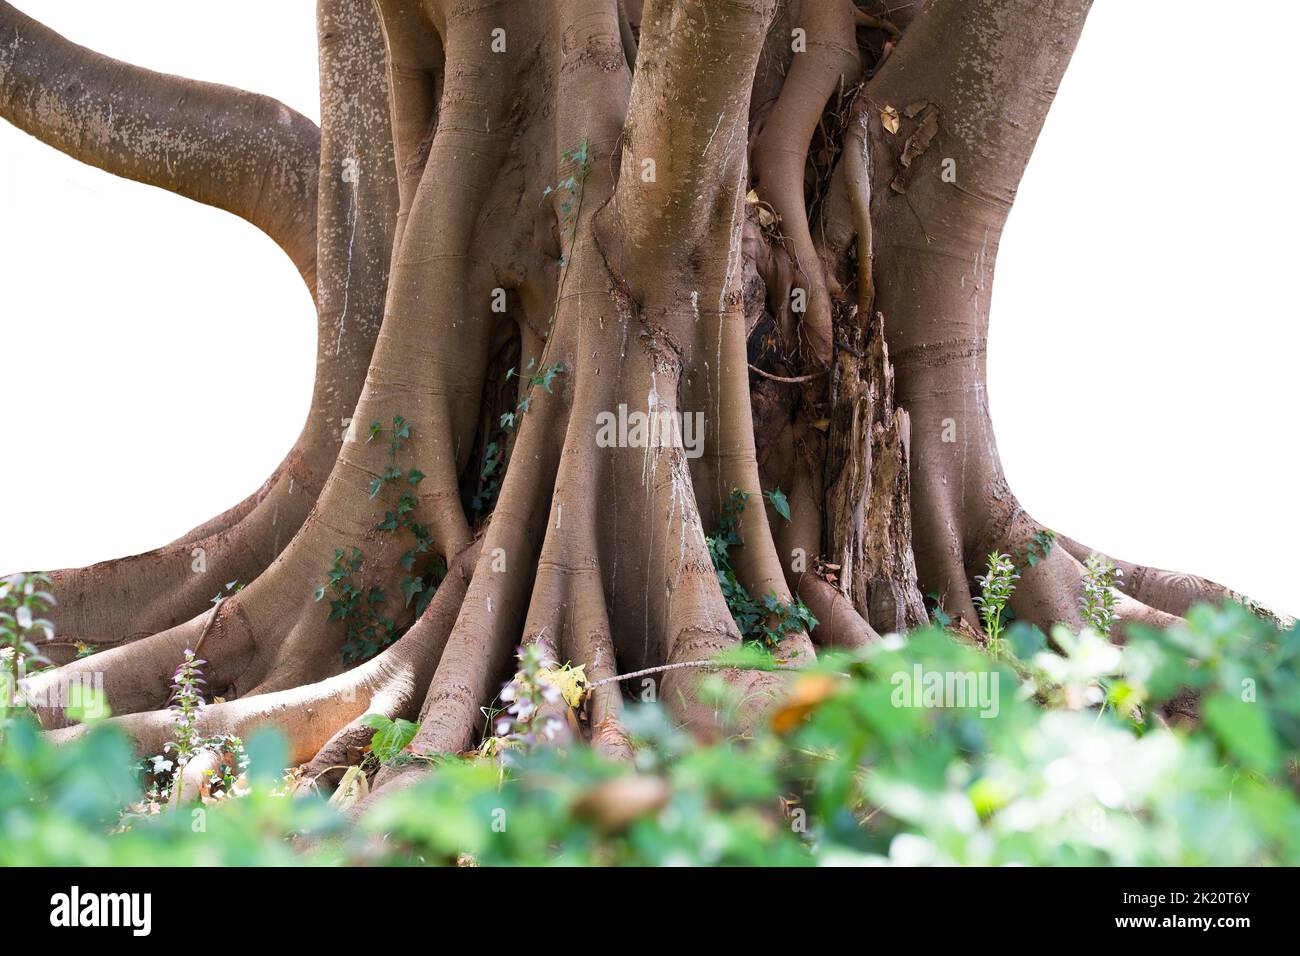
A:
(540, 227)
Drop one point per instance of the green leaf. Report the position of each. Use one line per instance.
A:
(1244, 730)
(391, 736)
(779, 502)
(268, 755)
(86, 705)
(411, 587)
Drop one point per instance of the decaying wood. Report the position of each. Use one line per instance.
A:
(868, 527)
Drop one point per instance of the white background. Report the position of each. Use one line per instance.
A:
(156, 355)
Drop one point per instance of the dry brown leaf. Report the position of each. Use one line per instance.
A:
(766, 216)
(889, 119)
(615, 804)
(809, 690)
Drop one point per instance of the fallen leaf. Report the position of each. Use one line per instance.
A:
(571, 682)
(615, 804)
(889, 119)
(351, 789)
(766, 216)
(809, 690)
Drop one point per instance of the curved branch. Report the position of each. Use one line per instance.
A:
(242, 152)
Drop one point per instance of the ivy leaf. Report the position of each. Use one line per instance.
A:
(415, 476)
(547, 376)
(411, 586)
(423, 600)
(779, 502)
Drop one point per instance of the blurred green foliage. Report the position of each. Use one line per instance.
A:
(1095, 756)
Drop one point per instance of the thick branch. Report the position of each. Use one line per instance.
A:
(242, 152)
(952, 119)
(685, 136)
(973, 81)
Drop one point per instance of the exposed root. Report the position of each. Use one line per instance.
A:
(1172, 592)
(311, 715)
(115, 602)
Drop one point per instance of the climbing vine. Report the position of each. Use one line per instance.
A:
(362, 606)
(766, 621)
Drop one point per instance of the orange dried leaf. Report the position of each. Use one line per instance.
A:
(808, 692)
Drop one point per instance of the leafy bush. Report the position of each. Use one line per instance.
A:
(916, 751)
